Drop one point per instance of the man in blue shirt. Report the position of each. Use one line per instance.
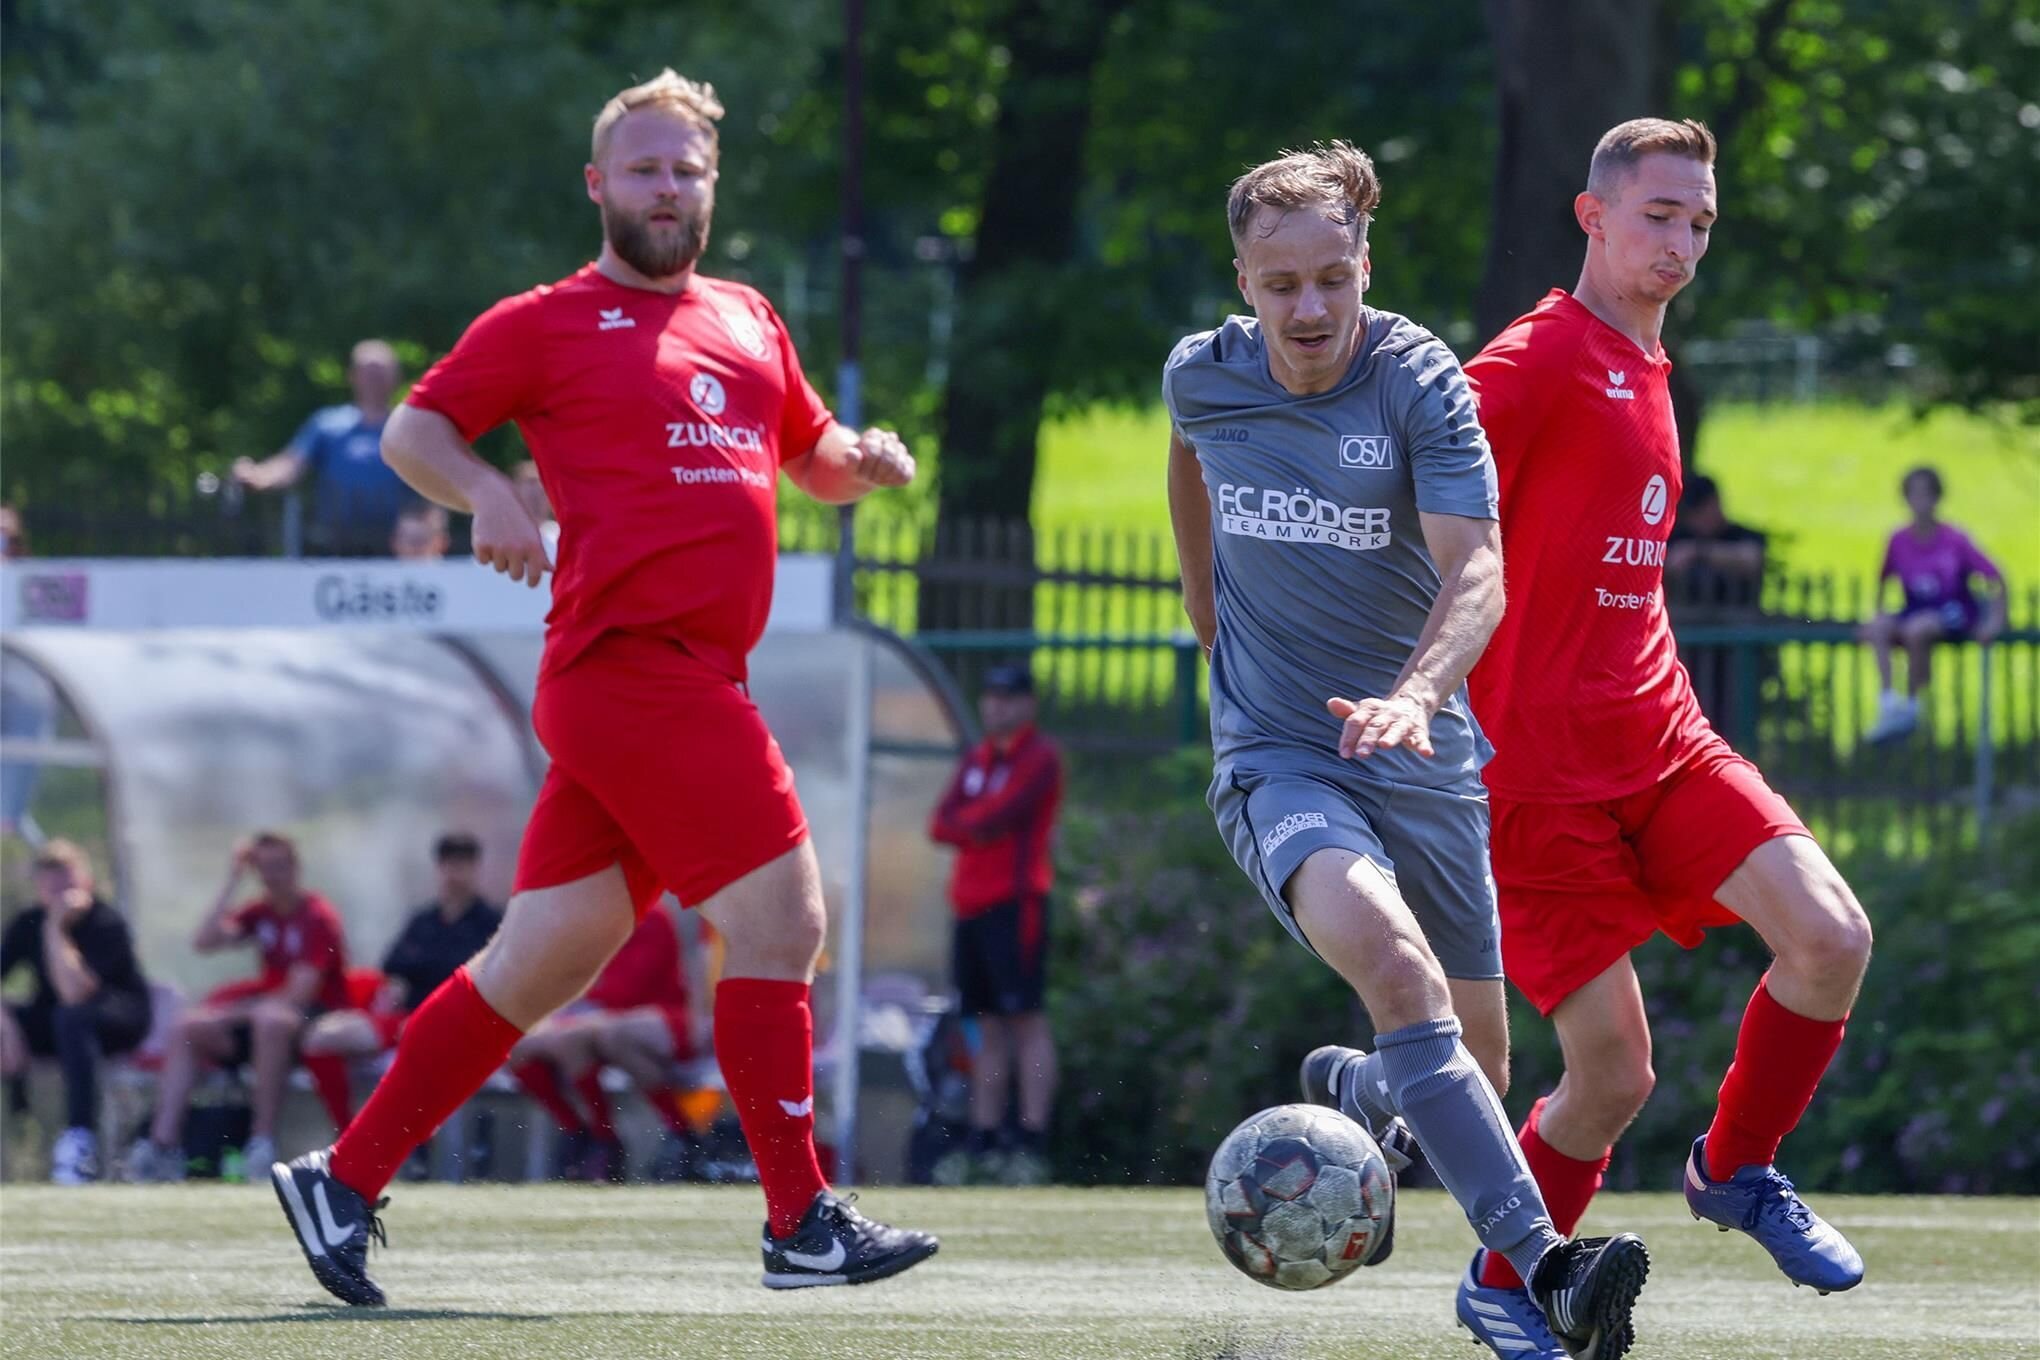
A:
(355, 496)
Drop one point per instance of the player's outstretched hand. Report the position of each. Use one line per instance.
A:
(506, 537)
(1381, 724)
(880, 457)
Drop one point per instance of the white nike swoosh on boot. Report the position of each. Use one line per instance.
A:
(329, 1227)
(828, 1260)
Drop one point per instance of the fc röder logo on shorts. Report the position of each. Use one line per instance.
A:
(707, 394)
(1289, 826)
(1372, 451)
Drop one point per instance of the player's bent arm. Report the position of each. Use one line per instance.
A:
(218, 930)
(1468, 553)
(846, 466)
(1190, 517)
(426, 450)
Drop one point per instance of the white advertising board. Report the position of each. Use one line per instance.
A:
(435, 597)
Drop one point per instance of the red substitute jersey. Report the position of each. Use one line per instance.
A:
(658, 422)
(999, 812)
(1581, 689)
(647, 970)
(312, 934)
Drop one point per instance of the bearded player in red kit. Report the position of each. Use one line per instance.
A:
(661, 408)
(1618, 812)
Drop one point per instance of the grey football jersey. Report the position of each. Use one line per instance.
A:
(1323, 580)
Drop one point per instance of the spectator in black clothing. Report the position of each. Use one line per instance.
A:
(90, 998)
(1714, 573)
(441, 935)
(1711, 560)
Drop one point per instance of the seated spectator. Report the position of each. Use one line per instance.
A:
(637, 1017)
(1934, 564)
(440, 936)
(90, 1000)
(257, 1020)
(355, 494)
(420, 534)
(13, 538)
(1710, 559)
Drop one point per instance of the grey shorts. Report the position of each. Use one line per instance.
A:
(1432, 844)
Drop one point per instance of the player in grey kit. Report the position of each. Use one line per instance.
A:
(1334, 508)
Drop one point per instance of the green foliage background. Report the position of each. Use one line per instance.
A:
(205, 203)
(1181, 1007)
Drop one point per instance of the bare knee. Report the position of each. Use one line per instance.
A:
(277, 1024)
(1835, 940)
(1612, 1090)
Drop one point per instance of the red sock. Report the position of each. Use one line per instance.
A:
(541, 1081)
(589, 1086)
(764, 1036)
(449, 1047)
(1780, 1057)
(1568, 1185)
(329, 1078)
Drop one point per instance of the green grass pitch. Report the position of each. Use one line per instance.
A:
(190, 1271)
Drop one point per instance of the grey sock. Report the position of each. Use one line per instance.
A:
(1448, 1103)
(1365, 1094)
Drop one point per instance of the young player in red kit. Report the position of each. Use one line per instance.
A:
(661, 408)
(1618, 812)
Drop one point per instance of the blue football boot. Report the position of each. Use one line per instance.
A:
(1761, 1202)
(1506, 1321)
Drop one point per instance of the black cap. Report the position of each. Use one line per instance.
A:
(1011, 678)
(456, 845)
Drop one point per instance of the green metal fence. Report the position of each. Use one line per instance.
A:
(1782, 673)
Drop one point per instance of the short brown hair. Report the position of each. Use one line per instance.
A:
(276, 840)
(1623, 145)
(63, 854)
(1334, 173)
(693, 100)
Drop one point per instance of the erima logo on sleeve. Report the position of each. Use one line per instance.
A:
(613, 319)
(1616, 388)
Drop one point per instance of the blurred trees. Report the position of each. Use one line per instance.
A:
(205, 204)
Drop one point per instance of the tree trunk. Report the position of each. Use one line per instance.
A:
(1565, 72)
(1010, 301)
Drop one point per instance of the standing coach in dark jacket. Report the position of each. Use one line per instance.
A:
(999, 812)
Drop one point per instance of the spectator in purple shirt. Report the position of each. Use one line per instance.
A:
(1934, 564)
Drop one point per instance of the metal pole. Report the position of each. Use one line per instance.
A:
(1985, 752)
(850, 930)
(850, 369)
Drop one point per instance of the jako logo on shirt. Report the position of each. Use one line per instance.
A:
(1300, 517)
(1655, 498)
(1375, 451)
(707, 393)
(1289, 826)
(1616, 389)
(613, 319)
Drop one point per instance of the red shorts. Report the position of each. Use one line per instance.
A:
(1582, 884)
(661, 764)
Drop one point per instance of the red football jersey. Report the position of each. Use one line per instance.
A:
(647, 971)
(658, 422)
(1581, 690)
(999, 812)
(312, 934)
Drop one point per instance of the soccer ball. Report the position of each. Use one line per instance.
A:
(1297, 1195)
